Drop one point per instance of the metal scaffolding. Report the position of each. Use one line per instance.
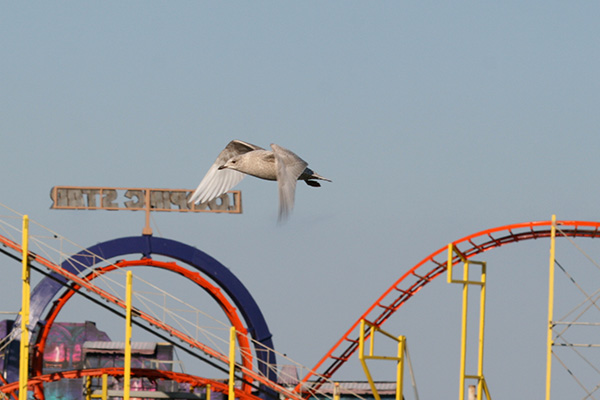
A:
(466, 281)
(558, 326)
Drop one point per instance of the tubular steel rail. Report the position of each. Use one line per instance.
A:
(153, 374)
(83, 283)
(424, 272)
(228, 308)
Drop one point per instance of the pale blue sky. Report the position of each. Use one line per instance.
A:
(433, 120)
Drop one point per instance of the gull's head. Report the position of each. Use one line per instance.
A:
(232, 163)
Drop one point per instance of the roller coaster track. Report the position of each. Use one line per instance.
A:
(87, 285)
(152, 374)
(402, 290)
(228, 308)
(424, 272)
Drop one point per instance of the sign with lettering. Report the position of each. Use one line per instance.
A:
(102, 198)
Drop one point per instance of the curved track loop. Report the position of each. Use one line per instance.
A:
(424, 272)
(152, 321)
(244, 344)
(151, 374)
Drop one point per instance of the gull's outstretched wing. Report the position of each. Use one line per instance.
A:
(289, 168)
(216, 181)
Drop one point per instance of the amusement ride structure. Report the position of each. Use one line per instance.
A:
(246, 351)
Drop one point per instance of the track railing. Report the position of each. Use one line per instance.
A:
(155, 322)
(417, 277)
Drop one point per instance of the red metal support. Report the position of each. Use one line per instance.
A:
(476, 243)
(152, 374)
(230, 311)
(257, 376)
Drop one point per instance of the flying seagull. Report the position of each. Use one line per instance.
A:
(239, 159)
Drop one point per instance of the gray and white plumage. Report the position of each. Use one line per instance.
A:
(239, 159)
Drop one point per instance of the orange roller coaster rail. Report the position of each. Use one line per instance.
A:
(81, 282)
(152, 374)
(424, 272)
(230, 311)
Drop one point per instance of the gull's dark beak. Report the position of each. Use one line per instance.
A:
(222, 167)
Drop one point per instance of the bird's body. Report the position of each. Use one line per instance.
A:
(240, 158)
(258, 163)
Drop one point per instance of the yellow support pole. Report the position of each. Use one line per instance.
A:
(104, 386)
(399, 358)
(104, 394)
(481, 384)
(24, 348)
(336, 391)
(463, 335)
(372, 342)
(361, 357)
(127, 366)
(232, 363)
(550, 342)
(481, 333)
(400, 367)
(88, 387)
(450, 263)
(208, 390)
